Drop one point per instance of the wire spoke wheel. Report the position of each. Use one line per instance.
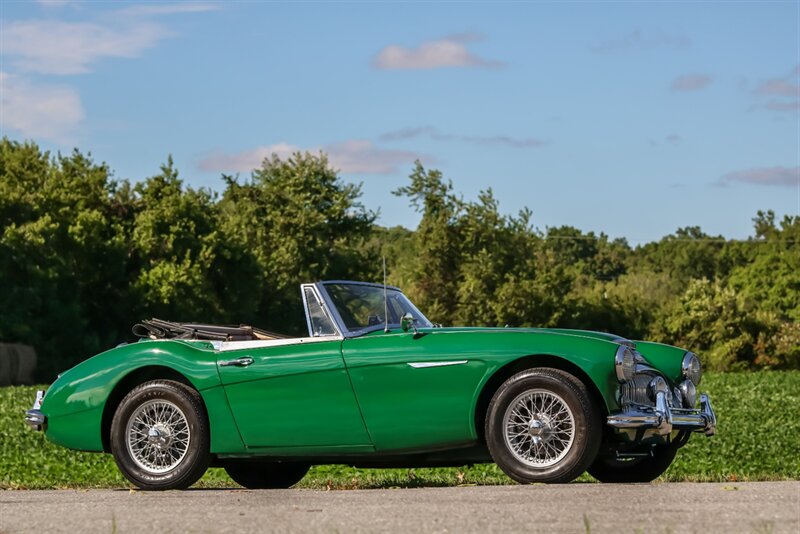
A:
(542, 426)
(157, 436)
(539, 428)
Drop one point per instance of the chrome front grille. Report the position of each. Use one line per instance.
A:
(635, 391)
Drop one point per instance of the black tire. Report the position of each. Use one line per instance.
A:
(192, 429)
(608, 468)
(586, 432)
(266, 475)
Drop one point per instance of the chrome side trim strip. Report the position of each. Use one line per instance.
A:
(423, 365)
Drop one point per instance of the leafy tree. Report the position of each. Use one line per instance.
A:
(183, 266)
(687, 254)
(538, 295)
(63, 264)
(494, 247)
(396, 244)
(772, 276)
(302, 223)
(437, 242)
(712, 318)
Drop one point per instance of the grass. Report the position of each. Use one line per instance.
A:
(759, 421)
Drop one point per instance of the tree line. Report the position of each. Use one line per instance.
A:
(83, 256)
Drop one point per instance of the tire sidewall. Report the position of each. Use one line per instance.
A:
(646, 469)
(585, 420)
(196, 458)
(267, 475)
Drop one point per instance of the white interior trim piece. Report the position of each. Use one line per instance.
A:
(224, 346)
(423, 365)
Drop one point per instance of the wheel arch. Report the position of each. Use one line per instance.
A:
(529, 362)
(137, 376)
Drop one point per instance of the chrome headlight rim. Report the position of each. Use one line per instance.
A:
(691, 368)
(625, 364)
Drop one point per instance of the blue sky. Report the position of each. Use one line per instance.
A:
(631, 118)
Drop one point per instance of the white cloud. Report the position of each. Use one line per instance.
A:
(53, 3)
(56, 47)
(247, 160)
(49, 46)
(778, 88)
(450, 51)
(691, 82)
(49, 112)
(784, 92)
(355, 156)
(363, 157)
(168, 9)
(775, 176)
(435, 134)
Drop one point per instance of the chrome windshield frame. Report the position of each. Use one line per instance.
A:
(330, 307)
(329, 310)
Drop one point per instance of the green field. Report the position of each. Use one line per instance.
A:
(759, 425)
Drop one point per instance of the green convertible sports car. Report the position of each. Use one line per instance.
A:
(376, 384)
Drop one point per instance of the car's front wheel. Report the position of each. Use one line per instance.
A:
(542, 426)
(608, 467)
(266, 475)
(160, 436)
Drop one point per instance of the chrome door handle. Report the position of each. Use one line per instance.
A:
(238, 362)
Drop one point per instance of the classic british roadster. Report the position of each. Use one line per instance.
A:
(376, 384)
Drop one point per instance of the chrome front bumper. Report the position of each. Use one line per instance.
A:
(34, 416)
(664, 418)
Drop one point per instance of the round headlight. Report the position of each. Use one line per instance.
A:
(625, 364)
(691, 368)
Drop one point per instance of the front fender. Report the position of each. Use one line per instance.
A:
(593, 356)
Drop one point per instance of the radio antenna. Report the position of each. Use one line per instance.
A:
(385, 299)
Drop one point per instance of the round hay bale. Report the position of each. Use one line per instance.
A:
(26, 365)
(17, 364)
(5, 364)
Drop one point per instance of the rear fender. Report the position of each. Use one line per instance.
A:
(76, 402)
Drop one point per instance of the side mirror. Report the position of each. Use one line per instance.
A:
(407, 321)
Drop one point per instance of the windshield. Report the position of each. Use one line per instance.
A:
(362, 306)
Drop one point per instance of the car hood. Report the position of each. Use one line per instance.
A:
(561, 331)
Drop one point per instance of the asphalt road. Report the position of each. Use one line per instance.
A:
(759, 507)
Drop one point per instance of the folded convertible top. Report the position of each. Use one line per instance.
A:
(160, 329)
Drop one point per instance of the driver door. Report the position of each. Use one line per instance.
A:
(289, 393)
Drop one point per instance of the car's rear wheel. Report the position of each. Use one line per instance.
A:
(542, 426)
(267, 475)
(608, 467)
(160, 436)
